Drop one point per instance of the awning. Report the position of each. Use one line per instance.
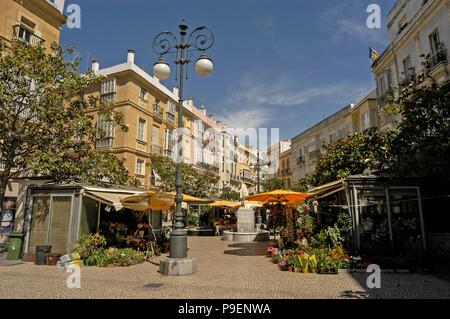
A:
(108, 198)
(327, 189)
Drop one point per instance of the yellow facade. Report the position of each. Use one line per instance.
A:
(147, 116)
(33, 21)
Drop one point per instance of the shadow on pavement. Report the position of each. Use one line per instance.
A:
(248, 249)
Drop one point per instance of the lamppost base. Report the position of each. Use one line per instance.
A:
(178, 266)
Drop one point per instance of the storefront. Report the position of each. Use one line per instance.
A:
(57, 215)
(387, 215)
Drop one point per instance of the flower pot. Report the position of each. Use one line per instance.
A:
(291, 269)
(297, 269)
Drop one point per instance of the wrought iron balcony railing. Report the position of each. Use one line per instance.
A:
(439, 57)
(157, 112)
(170, 117)
(157, 150)
(24, 35)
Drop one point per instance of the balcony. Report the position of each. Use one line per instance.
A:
(384, 99)
(24, 35)
(207, 167)
(438, 58)
(170, 117)
(104, 142)
(314, 154)
(157, 150)
(168, 153)
(300, 160)
(157, 112)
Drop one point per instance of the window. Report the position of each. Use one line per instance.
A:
(199, 153)
(105, 132)
(169, 142)
(365, 121)
(407, 67)
(143, 94)
(141, 130)
(140, 167)
(434, 42)
(402, 24)
(108, 90)
(155, 135)
(171, 111)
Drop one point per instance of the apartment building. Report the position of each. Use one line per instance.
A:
(419, 38)
(149, 110)
(151, 114)
(36, 22)
(274, 154)
(353, 118)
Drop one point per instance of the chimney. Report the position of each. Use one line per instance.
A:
(130, 56)
(95, 66)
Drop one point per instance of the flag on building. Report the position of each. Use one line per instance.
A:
(373, 55)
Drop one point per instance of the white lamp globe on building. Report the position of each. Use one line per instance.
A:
(204, 65)
(161, 69)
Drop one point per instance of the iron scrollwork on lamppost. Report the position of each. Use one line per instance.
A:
(167, 43)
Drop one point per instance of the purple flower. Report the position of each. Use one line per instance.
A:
(282, 262)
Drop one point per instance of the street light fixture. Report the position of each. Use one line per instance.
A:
(167, 43)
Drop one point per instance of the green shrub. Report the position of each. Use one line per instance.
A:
(88, 246)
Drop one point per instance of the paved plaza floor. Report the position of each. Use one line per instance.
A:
(225, 270)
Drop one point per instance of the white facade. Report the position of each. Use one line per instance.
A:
(419, 39)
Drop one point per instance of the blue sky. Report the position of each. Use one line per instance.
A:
(283, 64)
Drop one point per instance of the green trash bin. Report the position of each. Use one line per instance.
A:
(15, 245)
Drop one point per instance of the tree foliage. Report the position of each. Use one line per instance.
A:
(353, 155)
(273, 184)
(45, 128)
(194, 182)
(417, 146)
(230, 194)
(421, 146)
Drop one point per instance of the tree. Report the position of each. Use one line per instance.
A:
(44, 126)
(353, 155)
(229, 194)
(194, 183)
(273, 184)
(421, 146)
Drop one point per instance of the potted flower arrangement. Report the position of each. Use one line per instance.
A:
(303, 259)
(328, 265)
(271, 251)
(293, 264)
(282, 263)
(313, 264)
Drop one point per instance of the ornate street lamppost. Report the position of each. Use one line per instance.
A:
(167, 43)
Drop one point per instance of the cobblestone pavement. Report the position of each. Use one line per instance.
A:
(225, 270)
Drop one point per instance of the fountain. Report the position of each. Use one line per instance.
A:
(246, 230)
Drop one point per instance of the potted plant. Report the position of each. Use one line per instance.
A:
(282, 263)
(329, 265)
(303, 259)
(313, 264)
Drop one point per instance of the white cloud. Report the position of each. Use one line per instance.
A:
(250, 117)
(358, 30)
